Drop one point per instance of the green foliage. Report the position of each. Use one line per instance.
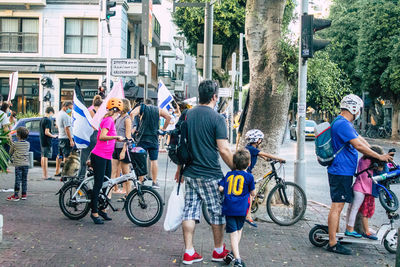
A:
(27, 115)
(327, 84)
(344, 39)
(229, 18)
(288, 58)
(4, 156)
(364, 35)
(288, 14)
(379, 22)
(390, 78)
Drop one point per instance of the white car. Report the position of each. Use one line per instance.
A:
(309, 130)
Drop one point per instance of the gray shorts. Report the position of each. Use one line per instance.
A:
(47, 151)
(64, 148)
(199, 190)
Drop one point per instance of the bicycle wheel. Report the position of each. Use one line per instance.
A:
(389, 204)
(78, 207)
(144, 208)
(286, 204)
(205, 213)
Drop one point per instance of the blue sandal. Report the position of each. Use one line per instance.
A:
(252, 223)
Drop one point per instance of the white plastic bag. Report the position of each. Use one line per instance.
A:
(176, 204)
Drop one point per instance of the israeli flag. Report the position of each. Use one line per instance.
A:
(82, 120)
(164, 97)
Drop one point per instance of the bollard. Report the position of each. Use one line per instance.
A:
(30, 159)
(1, 228)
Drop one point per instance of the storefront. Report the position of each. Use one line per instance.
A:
(89, 90)
(27, 97)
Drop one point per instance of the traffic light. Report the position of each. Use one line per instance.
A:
(110, 13)
(309, 26)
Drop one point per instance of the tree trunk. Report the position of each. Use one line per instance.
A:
(270, 91)
(395, 119)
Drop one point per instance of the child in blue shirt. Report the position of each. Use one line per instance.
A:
(237, 186)
(254, 138)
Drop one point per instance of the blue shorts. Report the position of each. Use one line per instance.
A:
(234, 223)
(341, 188)
(152, 149)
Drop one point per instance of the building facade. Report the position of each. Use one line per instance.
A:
(52, 42)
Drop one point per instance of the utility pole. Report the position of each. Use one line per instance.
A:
(299, 170)
(240, 69)
(308, 46)
(233, 77)
(208, 32)
(208, 40)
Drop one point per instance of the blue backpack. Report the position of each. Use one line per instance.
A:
(323, 144)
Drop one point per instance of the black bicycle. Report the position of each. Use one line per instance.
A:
(286, 202)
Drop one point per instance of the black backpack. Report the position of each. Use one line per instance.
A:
(178, 149)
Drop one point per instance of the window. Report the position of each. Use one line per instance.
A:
(33, 126)
(27, 96)
(89, 90)
(19, 35)
(80, 36)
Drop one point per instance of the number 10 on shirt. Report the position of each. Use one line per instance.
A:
(233, 184)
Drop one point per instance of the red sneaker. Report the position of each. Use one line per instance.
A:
(187, 259)
(23, 197)
(13, 198)
(219, 256)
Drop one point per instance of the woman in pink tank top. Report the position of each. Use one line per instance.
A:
(102, 154)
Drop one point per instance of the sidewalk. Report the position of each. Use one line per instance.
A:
(36, 233)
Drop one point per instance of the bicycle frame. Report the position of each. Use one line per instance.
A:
(109, 183)
(267, 178)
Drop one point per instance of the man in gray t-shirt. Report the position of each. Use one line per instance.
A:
(207, 136)
(65, 137)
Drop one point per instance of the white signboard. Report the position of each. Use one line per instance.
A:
(301, 110)
(216, 56)
(224, 92)
(124, 67)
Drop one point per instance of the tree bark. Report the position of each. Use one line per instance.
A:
(270, 91)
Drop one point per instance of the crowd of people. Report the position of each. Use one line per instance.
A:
(227, 197)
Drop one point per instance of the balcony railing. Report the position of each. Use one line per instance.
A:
(18, 42)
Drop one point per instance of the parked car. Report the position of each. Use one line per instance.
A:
(33, 125)
(309, 130)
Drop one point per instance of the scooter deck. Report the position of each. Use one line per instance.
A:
(348, 239)
(361, 240)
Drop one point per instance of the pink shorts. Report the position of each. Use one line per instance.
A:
(367, 208)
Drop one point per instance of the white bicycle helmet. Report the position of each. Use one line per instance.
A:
(352, 103)
(252, 136)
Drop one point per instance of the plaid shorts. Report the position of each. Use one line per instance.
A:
(198, 190)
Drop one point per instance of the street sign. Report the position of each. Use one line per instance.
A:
(124, 67)
(224, 92)
(216, 56)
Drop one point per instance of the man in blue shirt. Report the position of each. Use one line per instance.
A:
(344, 166)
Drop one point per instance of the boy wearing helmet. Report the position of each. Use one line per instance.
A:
(254, 138)
(341, 171)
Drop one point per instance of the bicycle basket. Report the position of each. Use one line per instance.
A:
(139, 162)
